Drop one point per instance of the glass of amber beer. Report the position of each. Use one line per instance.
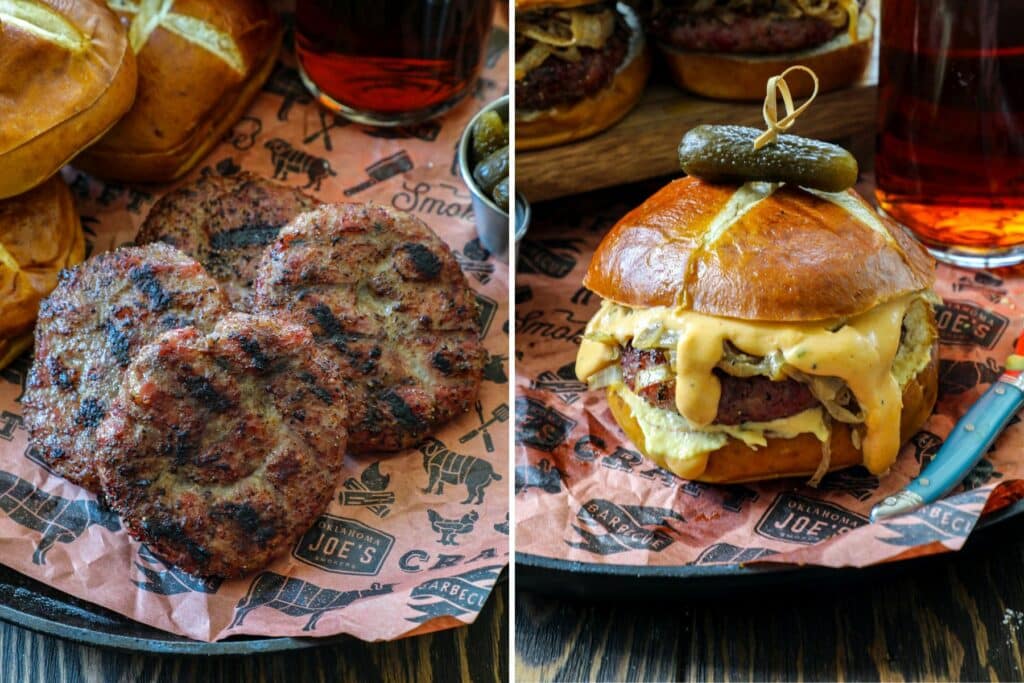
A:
(950, 145)
(391, 62)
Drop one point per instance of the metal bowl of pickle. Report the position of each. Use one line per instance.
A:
(484, 166)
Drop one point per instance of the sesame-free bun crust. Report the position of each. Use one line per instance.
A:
(795, 457)
(727, 76)
(188, 97)
(591, 115)
(55, 100)
(792, 257)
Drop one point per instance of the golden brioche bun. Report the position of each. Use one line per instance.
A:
(795, 457)
(794, 256)
(591, 115)
(68, 76)
(725, 76)
(40, 235)
(191, 90)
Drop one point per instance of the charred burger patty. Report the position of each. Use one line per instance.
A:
(565, 56)
(747, 26)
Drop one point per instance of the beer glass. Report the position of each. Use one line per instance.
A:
(391, 62)
(950, 136)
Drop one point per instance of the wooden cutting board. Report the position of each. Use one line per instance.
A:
(643, 145)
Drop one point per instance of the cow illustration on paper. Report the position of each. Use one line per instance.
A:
(450, 528)
(286, 159)
(444, 466)
(167, 579)
(298, 598)
(453, 595)
(59, 520)
(625, 527)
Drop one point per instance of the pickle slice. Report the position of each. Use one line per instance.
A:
(500, 194)
(727, 154)
(489, 135)
(491, 170)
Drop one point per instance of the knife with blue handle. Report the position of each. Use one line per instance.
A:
(972, 436)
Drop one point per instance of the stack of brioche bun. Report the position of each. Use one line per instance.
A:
(201, 62)
(132, 90)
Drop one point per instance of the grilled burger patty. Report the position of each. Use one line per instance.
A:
(89, 329)
(742, 33)
(386, 295)
(558, 81)
(225, 223)
(743, 399)
(221, 449)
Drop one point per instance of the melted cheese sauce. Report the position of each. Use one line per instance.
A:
(860, 352)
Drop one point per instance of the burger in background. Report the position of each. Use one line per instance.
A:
(727, 49)
(580, 67)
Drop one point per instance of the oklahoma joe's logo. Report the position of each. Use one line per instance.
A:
(965, 324)
(624, 527)
(344, 546)
(804, 520)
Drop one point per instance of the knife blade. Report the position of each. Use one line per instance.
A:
(971, 437)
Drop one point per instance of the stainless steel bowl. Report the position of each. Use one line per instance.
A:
(492, 224)
(522, 221)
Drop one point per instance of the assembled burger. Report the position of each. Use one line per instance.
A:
(580, 67)
(760, 330)
(727, 49)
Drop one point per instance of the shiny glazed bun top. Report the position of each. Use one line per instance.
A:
(757, 252)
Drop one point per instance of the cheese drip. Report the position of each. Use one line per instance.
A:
(860, 351)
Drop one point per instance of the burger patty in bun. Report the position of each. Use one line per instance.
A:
(568, 75)
(762, 330)
(580, 67)
(728, 31)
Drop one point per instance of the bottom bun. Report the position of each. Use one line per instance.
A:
(735, 462)
(725, 76)
(559, 125)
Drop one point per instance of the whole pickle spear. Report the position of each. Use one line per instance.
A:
(727, 154)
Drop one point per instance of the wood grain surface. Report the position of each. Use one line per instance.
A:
(643, 145)
(957, 617)
(477, 653)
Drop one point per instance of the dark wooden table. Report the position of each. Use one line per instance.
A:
(477, 653)
(957, 617)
